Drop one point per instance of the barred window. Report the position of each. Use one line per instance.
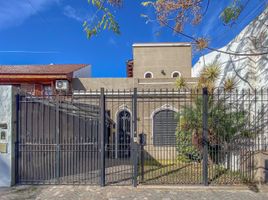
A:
(164, 128)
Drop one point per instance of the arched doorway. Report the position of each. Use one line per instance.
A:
(124, 134)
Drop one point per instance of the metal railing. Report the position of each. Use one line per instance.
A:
(141, 137)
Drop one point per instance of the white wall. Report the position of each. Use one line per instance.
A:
(7, 113)
(249, 71)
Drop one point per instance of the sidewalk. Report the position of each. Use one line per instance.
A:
(127, 193)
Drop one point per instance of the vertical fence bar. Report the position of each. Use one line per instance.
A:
(57, 139)
(142, 157)
(205, 137)
(135, 139)
(102, 138)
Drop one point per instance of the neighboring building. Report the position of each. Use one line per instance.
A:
(42, 79)
(248, 71)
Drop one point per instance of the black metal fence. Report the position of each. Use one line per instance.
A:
(141, 137)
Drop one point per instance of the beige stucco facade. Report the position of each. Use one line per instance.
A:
(127, 83)
(107, 83)
(162, 59)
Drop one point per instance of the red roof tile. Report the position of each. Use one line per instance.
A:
(41, 69)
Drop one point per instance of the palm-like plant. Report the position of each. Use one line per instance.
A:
(225, 122)
(181, 83)
(229, 84)
(224, 125)
(208, 76)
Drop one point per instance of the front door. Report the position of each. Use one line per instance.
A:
(124, 134)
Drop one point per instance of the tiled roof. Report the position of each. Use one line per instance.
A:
(41, 69)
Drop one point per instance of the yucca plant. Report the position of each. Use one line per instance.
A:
(224, 123)
(181, 83)
(208, 76)
(229, 84)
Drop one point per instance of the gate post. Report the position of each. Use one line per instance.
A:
(102, 138)
(135, 139)
(205, 136)
(57, 137)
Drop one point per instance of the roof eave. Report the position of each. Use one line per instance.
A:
(175, 44)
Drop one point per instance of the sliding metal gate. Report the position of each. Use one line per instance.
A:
(57, 141)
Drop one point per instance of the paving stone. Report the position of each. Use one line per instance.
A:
(127, 193)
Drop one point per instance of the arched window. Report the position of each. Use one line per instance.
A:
(124, 133)
(164, 128)
(148, 75)
(175, 74)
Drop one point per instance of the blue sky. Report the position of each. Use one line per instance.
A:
(50, 31)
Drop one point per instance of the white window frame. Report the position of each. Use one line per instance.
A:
(174, 73)
(147, 73)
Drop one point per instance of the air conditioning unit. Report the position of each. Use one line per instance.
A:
(62, 85)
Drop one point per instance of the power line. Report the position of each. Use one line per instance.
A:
(211, 48)
(222, 34)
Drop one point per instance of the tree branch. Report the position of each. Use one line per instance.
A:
(211, 48)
